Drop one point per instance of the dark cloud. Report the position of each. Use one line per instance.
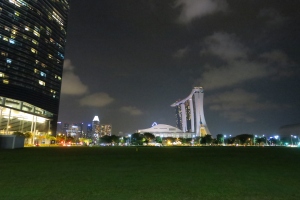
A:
(239, 105)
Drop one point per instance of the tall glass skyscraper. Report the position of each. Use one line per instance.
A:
(32, 44)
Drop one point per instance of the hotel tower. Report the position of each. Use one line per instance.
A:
(32, 46)
(190, 114)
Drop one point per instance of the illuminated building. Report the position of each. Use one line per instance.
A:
(163, 130)
(89, 131)
(32, 44)
(95, 129)
(190, 114)
(105, 130)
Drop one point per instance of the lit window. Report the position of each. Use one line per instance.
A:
(42, 83)
(58, 77)
(5, 81)
(6, 28)
(17, 13)
(43, 65)
(14, 31)
(37, 62)
(8, 60)
(4, 53)
(16, 2)
(35, 42)
(53, 91)
(33, 50)
(5, 38)
(36, 33)
(43, 74)
(61, 55)
(11, 41)
(37, 29)
(57, 18)
(26, 28)
(50, 56)
(36, 71)
(1, 74)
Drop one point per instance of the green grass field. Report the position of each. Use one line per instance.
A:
(151, 173)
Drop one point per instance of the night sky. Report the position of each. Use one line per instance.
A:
(127, 61)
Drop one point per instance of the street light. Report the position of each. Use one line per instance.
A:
(224, 143)
(292, 140)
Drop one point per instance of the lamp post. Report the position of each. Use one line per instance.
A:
(224, 141)
(291, 140)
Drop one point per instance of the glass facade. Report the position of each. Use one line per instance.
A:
(32, 43)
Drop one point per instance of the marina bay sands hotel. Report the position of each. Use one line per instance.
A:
(190, 114)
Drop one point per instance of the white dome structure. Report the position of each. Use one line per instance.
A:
(164, 130)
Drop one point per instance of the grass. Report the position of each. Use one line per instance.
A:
(151, 173)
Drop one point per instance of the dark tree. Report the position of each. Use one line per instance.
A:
(137, 139)
(220, 139)
(245, 139)
(149, 137)
(115, 139)
(207, 139)
(105, 139)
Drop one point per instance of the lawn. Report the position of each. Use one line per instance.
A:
(150, 173)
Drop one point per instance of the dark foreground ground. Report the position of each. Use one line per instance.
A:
(150, 173)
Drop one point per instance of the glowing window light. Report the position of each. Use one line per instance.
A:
(61, 55)
(8, 60)
(18, 3)
(33, 50)
(43, 74)
(35, 42)
(36, 33)
(11, 41)
(42, 83)
(57, 18)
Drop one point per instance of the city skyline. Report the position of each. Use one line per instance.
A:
(127, 61)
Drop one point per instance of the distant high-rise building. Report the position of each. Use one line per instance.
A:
(65, 128)
(89, 131)
(96, 129)
(32, 45)
(105, 130)
(74, 130)
(190, 113)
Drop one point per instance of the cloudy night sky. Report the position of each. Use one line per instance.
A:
(127, 61)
